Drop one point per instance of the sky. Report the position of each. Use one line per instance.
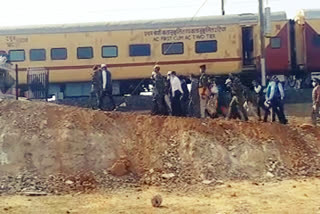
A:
(38, 12)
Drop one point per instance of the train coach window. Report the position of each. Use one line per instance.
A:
(17, 55)
(140, 50)
(275, 42)
(109, 51)
(59, 53)
(316, 41)
(172, 48)
(85, 52)
(208, 46)
(37, 54)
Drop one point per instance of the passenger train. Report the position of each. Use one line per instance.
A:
(226, 44)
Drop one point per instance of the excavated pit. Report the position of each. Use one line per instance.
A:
(81, 147)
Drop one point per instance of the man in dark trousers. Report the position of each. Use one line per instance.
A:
(260, 99)
(203, 90)
(194, 97)
(159, 91)
(281, 98)
(177, 92)
(95, 87)
(236, 106)
(106, 88)
(185, 96)
(274, 99)
(316, 101)
(102, 87)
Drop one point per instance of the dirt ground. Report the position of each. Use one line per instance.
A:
(109, 162)
(289, 196)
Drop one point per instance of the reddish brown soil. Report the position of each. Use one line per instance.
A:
(55, 139)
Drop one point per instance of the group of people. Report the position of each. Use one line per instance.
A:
(270, 99)
(171, 95)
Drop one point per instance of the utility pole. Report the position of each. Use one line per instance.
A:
(262, 43)
(222, 8)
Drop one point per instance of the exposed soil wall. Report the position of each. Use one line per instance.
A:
(51, 139)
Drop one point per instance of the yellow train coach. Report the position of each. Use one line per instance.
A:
(226, 44)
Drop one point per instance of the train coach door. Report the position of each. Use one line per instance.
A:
(247, 46)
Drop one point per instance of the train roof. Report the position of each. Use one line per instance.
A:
(142, 24)
(309, 14)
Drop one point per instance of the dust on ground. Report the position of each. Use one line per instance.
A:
(289, 196)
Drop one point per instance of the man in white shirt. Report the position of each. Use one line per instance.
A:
(176, 92)
(260, 98)
(106, 89)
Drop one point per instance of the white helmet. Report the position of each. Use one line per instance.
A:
(103, 66)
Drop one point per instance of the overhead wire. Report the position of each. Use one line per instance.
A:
(166, 51)
(192, 18)
(157, 62)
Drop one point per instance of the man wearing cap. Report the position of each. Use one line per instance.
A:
(95, 86)
(158, 93)
(194, 97)
(316, 100)
(236, 106)
(203, 90)
(106, 88)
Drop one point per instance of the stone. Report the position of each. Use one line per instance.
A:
(207, 182)
(168, 176)
(33, 193)
(169, 165)
(69, 182)
(269, 175)
(306, 126)
(220, 182)
(120, 167)
(156, 201)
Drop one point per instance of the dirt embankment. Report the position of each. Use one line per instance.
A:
(50, 140)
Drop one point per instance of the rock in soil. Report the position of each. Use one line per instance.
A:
(156, 201)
